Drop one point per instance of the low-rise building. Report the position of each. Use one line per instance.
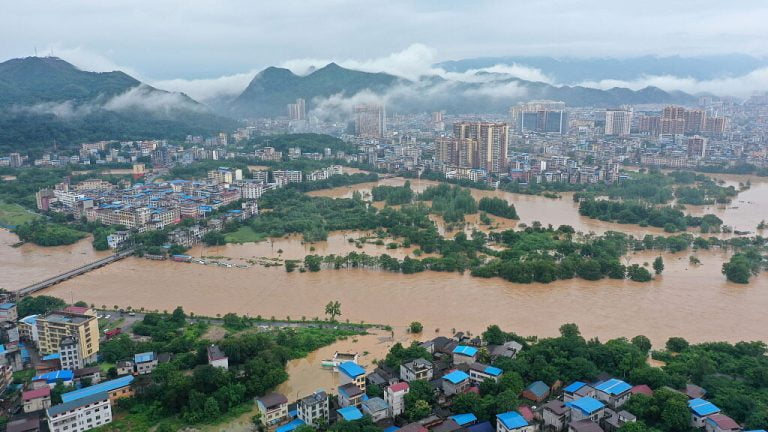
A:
(537, 391)
(124, 367)
(614, 392)
(145, 363)
(394, 395)
(512, 421)
(455, 382)
(554, 414)
(8, 312)
(587, 408)
(91, 374)
(577, 390)
(350, 413)
(479, 372)
(115, 389)
(36, 399)
(700, 410)
(313, 408)
(52, 378)
(418, 369)
(721, 423)
(351, 372)
(464, 354)
(216, 357)
(350, 395)
(376, 407)
(273, 408)
(81, 414)
(584, 426)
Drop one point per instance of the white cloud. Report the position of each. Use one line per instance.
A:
(208, 88)
(87, 60)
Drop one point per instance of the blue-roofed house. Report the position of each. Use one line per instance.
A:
(485, 426)
(51, 378)
(350, 413)
(455, 382)
(479, 372)
(512, 421)
(351, 372)
(464, 420)
(116, 389)
(8, 312)
(577, 390)
(391, 429)
(700, 410)
(290, 426)
(614, 392)
(145, 363)
(587, 408)
(377, 408)
(464, 354)
(537, 391)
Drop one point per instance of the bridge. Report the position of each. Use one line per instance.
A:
(72, 273)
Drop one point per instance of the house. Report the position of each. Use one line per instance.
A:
(555, 415)
(51, 378)
(455, 382)
(577, 390)
(377, 408)
(93, 374)
(537, 391)
(507, 350)
(8, 312)
(145, 363)
(413, 427)
(80, 414)
(700, 410)
(350, 413)
(117, 388)
(124, 367)
(464, 420)
(52, 327)
(216, 357)
(614, 420)
(394, 395)
(448, 425)
(485, 426)
(584, 426)
(28, 329)
(291, 426)
(586, 408)
(614, 392)
(479, 372)
(350, 395)
(694, 392)
(313, 408)
(464, 354)
(512, 421)
(351, 372)
(273, 408)
(720, 423)
(36, 400)
(418, 369)
(23, 424)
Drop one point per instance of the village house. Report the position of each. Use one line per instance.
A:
(536, 391)
(145, 363)
(273, 408)
(479, 372)
(377, 408)
(455, 382)
(464, 420)
(37, 399)
(8, 312)
(584, 426)
(506, 350)
(554, 414)
(394, 395)
(349, 413)
(614, 420)
(700, 411)
(51, 378)
(512, 421)
(586, 408)
(312, 408)
(418, 369)
(464, 354)
(721, 423)
(217, 358)
(614, 392)
(350, 395)
(124, 367)
(577, 390)
(92, 374)
(351, 372)
(117, 388)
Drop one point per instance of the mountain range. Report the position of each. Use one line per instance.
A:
(43, 99)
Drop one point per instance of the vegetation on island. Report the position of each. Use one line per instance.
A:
(643, 214)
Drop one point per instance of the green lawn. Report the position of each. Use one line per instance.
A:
(14, 214)
(244, 235)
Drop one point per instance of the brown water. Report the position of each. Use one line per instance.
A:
(22, 266)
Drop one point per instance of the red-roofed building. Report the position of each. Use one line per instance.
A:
(473, 389)
(37, 400)
(394, 396)
(526, 412)
(642, 389)
(720, 423)
(82, 310)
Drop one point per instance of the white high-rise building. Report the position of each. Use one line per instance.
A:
(618, 121)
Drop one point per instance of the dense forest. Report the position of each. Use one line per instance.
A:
(643, 214)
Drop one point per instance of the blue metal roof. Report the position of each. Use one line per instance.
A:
(392, 429)
(512, 420)
(456, 377)
(463, 419)
(351, 369)
(31, 320)
(7, 305)
(702, 407)
(144, 357)
(574, 387)
(52, 377)
(485, 426)
(350, 413)
(465, 350)
(586, 405)
(51, 356)
(106, 386)
(490, 370)
(613, 386)
(290, 427)
(538, 388)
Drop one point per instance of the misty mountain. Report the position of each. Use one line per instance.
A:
(333, 90)
(273, 88)
(47, 99)
(578, 70)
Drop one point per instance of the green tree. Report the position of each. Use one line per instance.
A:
(677, 344)
(658, 265)
(642, 343)
(333, 309)
(418, 410)
(415, 327)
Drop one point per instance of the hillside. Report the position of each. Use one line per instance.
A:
(47, 99)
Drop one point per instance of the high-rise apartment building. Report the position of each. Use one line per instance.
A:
(539, 116)
(618, 122)
(55, 326)
(492, 140)
(370, 121)
(298, 110)
(694, 121)
(460, 152)
(697, 147)
(650, 125)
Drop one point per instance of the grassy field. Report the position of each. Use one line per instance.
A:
(244, 235)
(14, 214)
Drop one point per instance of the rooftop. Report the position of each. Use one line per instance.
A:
(464, 419)
(587, 405)
(351, 369)
(37, 393)
(215, 353)
(144, 357)
(68, 406)
(398, 387)
(52, 377)
(456, 377)
(613, 386)
(512, 420)
(585, 425)
(350, 390)
(105, 386)
(574, 386)
(66, 318)
(485, 426)
(375, 404)
(272, 400)
(289, 427)
(465, 350)
(722, 421)
(6, 306)
(538, 388)
(350, 413)
(702, 407)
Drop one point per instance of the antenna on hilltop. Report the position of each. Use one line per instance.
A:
(35, 51)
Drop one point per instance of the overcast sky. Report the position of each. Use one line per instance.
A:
(164, 39)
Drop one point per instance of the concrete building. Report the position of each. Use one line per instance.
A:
(512, 421)
(697, 147)
(81, 414)
(351, 372)
(463, 354)
(455, 382)
(586, 408)
(8, 312)
(273, 408)
(115, 389)
(492, 142)
(37, 399)
(216, 357)
(614, 392)
(69, 354)
(55, 326)
(377, 408)
(145, 363)
(315, 407)
(418, 369)
(394, 396)
(479, 372)
(297, 111)
(350, 395)
(370, 121)
(554, 414)
(618, 122)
